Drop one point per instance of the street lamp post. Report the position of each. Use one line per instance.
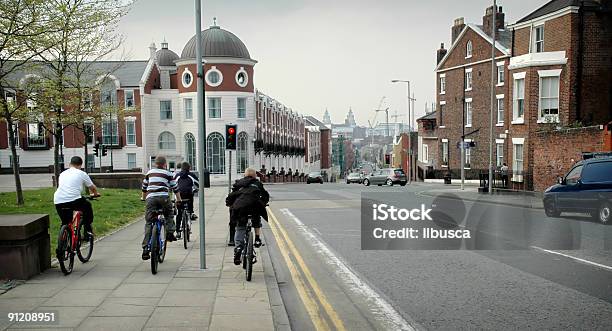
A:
(409, 129)
(201, 130)
(494, 28)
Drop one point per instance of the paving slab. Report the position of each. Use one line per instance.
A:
(126, 307)
(122, 323)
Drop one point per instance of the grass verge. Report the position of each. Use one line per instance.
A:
(116, 207)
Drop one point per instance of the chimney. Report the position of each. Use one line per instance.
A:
(440, 53)
(458, 26)
(152, 50)
(487, 20)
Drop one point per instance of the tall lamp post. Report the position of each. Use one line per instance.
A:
(201, 130)
(493, 67)
(409, 128)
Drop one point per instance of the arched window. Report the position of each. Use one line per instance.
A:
(190, 150)
(468, 49)
(166, 140)
(215, 153)
(242, 155)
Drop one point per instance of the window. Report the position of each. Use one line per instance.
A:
(110, 132)
(130, 132)
(468, 158)
(549, 99)
(518, 111)
(16, 132)
(188, 105)
(500, 73)
(441, 110)
(190, 150)
(108, 94)
(598, 172)
(468, 49)
(242, 160)
(214, 77)
(166, 141)
(131, 160)
(442, 84)
(88, 130)
(214, 107)
(215, 153)
(517, 161)
(468, 79)
(468, 112)
(425, 153)
(90, 161)
(445, 153)
(36, 135)
(165, 110)
(129, 98)
(573, 176)
(500, 109)
(86, 101)
(187, 78)
(538, 39)
(241, 107)
(500, 154)
(242, 78)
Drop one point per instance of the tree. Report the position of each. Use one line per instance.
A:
(83, 32)
(23, 24)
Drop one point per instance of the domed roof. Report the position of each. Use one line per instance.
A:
(166, 57)
(217, 42)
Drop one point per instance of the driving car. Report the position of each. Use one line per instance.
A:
(314, 177)
(354, 177)
(586, 188)
(388, 176)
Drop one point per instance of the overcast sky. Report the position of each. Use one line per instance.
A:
(317, 54)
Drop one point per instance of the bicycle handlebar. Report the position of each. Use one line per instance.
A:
(91, 197)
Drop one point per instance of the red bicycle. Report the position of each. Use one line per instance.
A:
(71, 237)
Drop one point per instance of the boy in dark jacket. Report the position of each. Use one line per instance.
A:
(248, 198)
(187, 184)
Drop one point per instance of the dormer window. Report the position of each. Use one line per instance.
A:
(538, 39)
(468, 49)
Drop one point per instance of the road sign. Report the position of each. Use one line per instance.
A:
(466, 144)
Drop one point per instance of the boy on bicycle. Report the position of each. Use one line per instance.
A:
(68, 198)
(156, 188)
(187, 185)
(249, 199)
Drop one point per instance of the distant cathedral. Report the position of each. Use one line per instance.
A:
(350, 119)
(326, 118)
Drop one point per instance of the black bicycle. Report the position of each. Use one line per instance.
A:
(184, 222)
(248, 252)
(157, 243)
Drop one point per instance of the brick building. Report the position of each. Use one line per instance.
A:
(318, 156)
(554, 71)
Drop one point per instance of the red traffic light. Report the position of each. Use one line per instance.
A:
(231, 130)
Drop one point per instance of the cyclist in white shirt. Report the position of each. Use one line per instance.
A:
(68, 198)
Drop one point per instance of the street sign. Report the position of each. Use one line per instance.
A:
(466, 144)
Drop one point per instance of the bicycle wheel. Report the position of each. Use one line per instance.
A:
(185, 220)
(154, 248)
(162, 238)
(89, 249)
(249, 258)
(64, 253)
(244, 245)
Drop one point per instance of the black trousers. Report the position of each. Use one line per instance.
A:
(65, 210)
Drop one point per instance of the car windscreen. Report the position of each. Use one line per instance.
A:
(597, 172)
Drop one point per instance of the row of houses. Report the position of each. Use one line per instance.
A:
(552, 82)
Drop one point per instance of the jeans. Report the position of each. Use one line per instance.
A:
(153, 204)
(239, 237)
(65, 210)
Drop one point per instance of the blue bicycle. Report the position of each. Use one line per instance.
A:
(157, 243)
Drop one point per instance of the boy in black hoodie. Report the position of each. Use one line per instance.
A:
(187, 184)
(248, 197)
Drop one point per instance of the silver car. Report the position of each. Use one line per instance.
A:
(388, 176)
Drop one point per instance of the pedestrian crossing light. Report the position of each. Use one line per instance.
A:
(104, 150)
(230, 136)
(96, 149)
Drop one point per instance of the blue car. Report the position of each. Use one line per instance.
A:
(587, 188)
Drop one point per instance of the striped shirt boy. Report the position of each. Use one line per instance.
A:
(158, 183)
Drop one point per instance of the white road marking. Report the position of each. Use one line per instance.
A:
(317, 231)
(384, 312)
(603, 266)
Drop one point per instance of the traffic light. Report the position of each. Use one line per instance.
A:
(387, 158)
(230, 136)
(104, 150)
(96, 148)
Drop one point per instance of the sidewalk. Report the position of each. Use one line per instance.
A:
(116, 290)
(509, 198)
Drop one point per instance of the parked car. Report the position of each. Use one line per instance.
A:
(586, 188)
(388, 176)
(354, 177)
(314, 177)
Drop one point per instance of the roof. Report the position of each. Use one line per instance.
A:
(316, 122)
(166, 57)
(553, 6)
(128, 73)
(217, 42)
(428, 116)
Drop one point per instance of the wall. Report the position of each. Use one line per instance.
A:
(563, 149)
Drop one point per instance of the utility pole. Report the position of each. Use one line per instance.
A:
(409, 127)
(493, 67)
(201, 131)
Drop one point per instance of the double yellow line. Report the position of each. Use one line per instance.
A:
(308, 289)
